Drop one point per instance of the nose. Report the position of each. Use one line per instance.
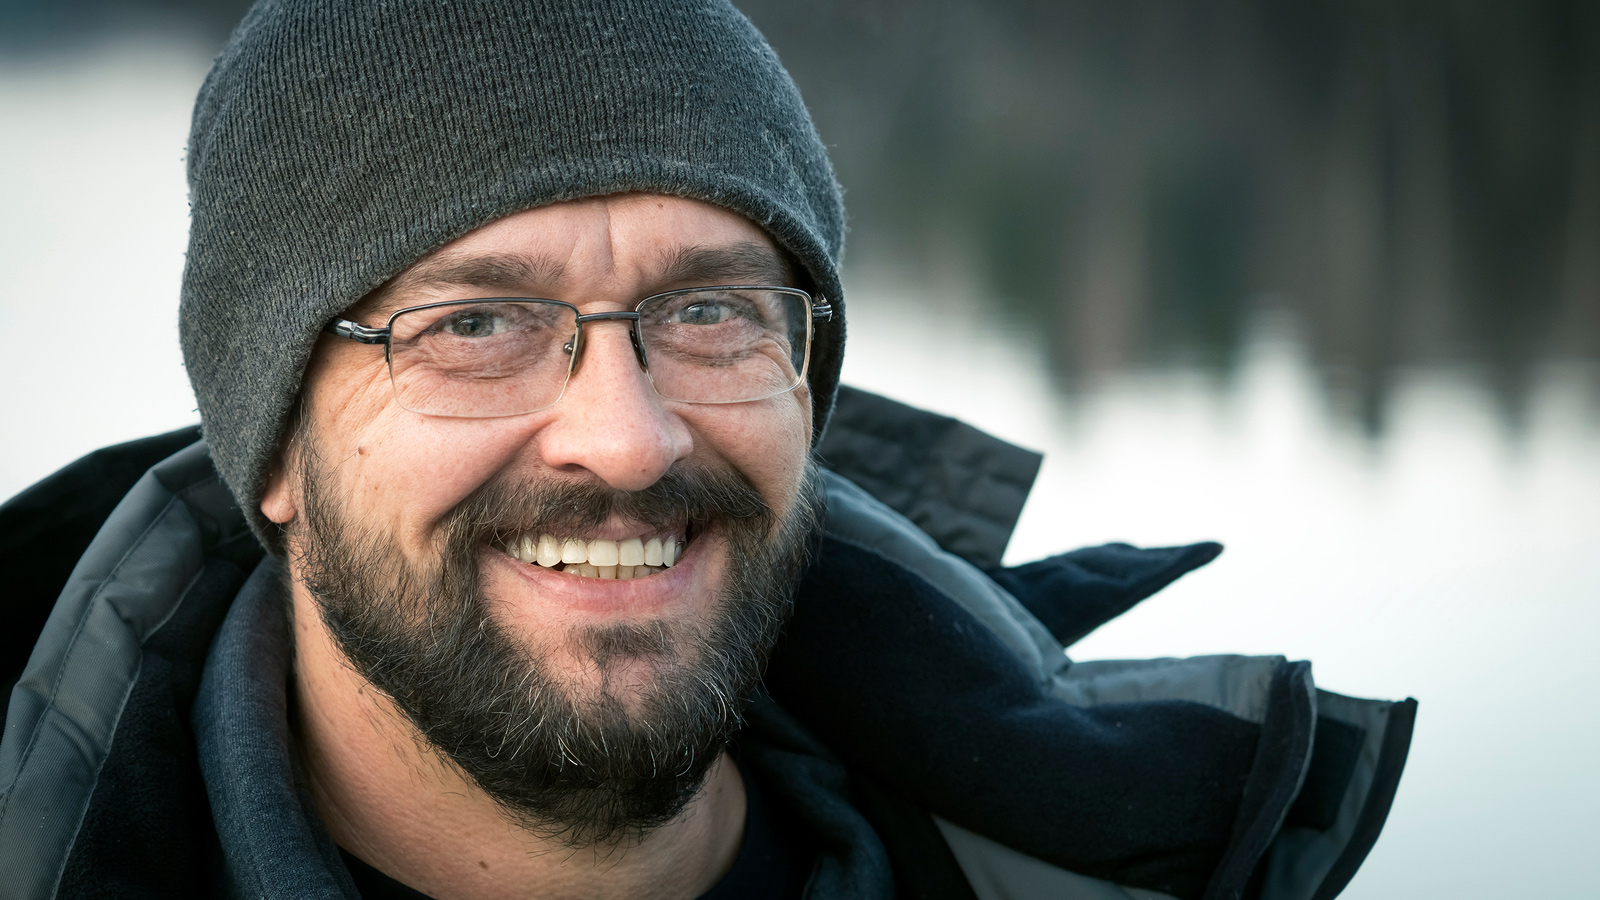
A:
(610, 423)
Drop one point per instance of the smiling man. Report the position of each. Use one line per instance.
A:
(532, 548)
(573, 609)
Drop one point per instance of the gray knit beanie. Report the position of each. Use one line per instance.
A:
(335, 142)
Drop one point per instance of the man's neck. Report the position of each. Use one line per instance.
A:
(412, 815)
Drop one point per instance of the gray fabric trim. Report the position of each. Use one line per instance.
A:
(1300, 858)
(65, 708)
(1282, 760)
(997, 872)
(857, 518)
(1234, 684)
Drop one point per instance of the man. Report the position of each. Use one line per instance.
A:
(515, 328)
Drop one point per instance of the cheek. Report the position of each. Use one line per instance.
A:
(768, 441)
(406, 472)
(399, 472)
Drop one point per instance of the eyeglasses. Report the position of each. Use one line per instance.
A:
(505, 356)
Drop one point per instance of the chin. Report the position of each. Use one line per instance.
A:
(624, 662)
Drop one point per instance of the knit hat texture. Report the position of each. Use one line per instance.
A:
(334, 143)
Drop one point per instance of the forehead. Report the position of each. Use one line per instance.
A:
(629, 244)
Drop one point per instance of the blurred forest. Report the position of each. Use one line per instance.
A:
(1417, 181)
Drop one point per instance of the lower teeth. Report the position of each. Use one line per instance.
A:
(587, 570)
(608, 573)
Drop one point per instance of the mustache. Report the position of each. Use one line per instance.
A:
(687, 495)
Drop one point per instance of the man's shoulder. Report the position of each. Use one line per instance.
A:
(47, 527)
(98, 786)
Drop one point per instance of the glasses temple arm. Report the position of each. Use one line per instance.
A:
(357, 332)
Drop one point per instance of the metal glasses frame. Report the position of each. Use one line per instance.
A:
(821, 311)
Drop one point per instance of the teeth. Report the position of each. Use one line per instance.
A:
(548, 552)
(602, 553)
(629, 553)
(620, 560)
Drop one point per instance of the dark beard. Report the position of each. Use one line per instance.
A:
(580, 770)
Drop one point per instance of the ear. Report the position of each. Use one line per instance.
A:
(278, 501)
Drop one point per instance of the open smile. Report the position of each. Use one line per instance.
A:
(599, 582)
(634, 557)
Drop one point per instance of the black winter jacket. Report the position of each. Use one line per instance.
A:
(920, 688)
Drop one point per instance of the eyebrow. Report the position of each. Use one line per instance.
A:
(746, 262)
(743, 262)
(498, 272)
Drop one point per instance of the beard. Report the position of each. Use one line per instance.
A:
(580, 767)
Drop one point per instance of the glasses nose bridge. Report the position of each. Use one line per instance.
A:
(629, 316)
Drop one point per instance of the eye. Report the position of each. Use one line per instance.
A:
(475, 323)
(704, 312)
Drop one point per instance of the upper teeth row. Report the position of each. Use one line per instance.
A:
(548, 550)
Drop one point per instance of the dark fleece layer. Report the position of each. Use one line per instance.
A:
(1075, 593)
(901, 681)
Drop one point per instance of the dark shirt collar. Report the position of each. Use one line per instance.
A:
(273, 844)
(771, 864)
